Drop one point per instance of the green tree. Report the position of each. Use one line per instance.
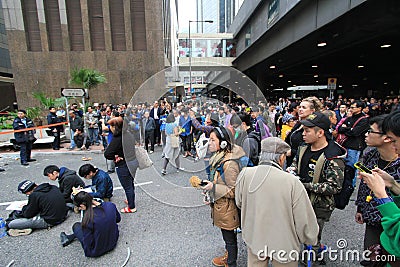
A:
(86, 78)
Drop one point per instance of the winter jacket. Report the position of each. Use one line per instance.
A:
(52, 119)
(328, 175)
(102, 185)
(125, 151)
(149, 124)
(250, 141)
(390, 238)
(101, 235)
(76, 123)
(276, 211)
(356, 134)
(26, 136)
(224, 211)
(68, 179)
(47, 201)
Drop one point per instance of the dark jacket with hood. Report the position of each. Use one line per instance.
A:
(328, 175)
(250, 141)
(355, 134)
(47, 201)
(68, 179)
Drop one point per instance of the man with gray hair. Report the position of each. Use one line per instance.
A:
(286, 207)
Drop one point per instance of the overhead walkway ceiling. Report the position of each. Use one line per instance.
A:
(353, 53)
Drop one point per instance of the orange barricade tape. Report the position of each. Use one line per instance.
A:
(34, 128)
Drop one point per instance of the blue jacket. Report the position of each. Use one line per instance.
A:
(101, 235)
(102, 185)
(185, 124)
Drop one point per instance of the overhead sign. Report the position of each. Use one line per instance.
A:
(72, 92)
(332, 83)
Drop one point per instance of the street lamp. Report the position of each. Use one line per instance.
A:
(190, 50)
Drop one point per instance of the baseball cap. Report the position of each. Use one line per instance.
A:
(317, 119)
(26, 186)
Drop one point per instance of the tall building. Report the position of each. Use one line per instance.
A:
(221, 12)
(6, 85)
(47, 38)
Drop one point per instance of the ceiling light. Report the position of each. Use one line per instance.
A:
(386, 46)
(271, 84)
(316, 75)
(321, 44)
(385, 83)
(289, 81)
(272, 67)
(354, 85)
(314, 66)
(340, 86)
(280, 76)
(317, 81)
(236, 82)
(227, 85)
(360, 66)
(294, 85)
(244, 76)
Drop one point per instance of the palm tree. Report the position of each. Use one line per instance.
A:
(87, 78)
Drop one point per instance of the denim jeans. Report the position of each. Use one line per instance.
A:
(126, 178)
(352, 157)
(73, 145)
(94, 135)
(34, 223)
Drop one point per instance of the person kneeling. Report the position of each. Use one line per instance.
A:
(98, 232)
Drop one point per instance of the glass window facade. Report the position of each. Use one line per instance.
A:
(4, 53)
(208, 48)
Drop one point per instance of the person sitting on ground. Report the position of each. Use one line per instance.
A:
(81, 140)
(102, 185)
(66, 179)
(98, 232)
(45, 208)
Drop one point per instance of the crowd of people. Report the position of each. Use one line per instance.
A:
(253, 153)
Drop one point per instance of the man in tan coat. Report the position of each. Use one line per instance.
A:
(276, 213)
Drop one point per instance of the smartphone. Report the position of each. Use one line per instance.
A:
(361, 167)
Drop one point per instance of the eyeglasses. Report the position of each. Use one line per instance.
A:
(371, 131)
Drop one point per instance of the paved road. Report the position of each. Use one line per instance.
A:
(171, 227)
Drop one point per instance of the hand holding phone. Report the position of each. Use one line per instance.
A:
(362, 168)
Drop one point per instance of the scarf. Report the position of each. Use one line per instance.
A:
(215, 162)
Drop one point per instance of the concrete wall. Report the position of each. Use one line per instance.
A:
(48, 71)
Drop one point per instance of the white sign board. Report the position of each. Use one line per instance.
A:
(72, 92)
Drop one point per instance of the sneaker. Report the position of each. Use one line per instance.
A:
(163, 172)
(180, 169)
(221, 261)
(18, 232)
(151, 151)
(110, 171)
